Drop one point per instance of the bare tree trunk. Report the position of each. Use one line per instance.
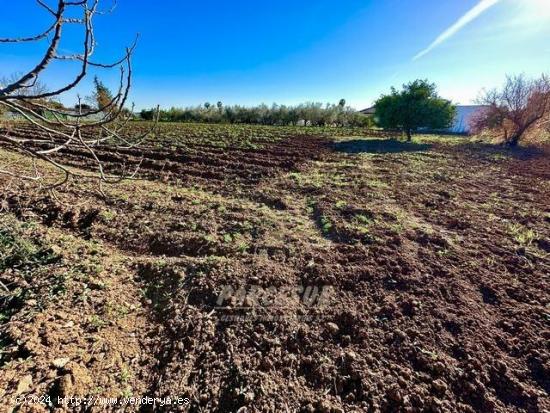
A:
(409, 134)
(514, 140)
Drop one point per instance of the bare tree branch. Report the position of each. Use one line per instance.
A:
(60, 129)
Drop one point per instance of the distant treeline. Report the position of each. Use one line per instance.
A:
(308, 114)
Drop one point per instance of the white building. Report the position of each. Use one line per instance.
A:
(464, 114)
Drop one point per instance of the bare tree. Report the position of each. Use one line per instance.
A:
(61, 128)
(35, 89)
(521, 105)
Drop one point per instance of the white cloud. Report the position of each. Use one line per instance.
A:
(471, 15)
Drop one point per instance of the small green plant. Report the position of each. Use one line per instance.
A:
(96, 321)
(326, 225)
(127, 392)
(17, 251)
(310, 205)
(107, 215)
(522, 235)
(396, 227)
(125, 374)
(499, 157)
(341, 204)
(363, 219)
(242, 246)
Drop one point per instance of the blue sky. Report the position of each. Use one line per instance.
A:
(249, 52)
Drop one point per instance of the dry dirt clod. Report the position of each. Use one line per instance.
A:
(324, 407)
(24, 384)
(351, 355)
(60, 362)
(249, 397)
(439, 386)
(501, 366)
(308, 408)
(333, 328)
(76, 382)
(65, 385)
(399, 335)
(394, 393)
(346, 339)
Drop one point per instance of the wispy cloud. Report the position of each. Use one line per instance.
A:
(471, 15)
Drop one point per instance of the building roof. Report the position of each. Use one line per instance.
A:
(368, 111)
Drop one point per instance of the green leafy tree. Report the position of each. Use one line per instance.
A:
(416, 106)
(147, 114)
(82, 107)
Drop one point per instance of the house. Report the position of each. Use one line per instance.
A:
(464, 114)
(368, 111)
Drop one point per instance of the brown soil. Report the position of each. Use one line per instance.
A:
(437, 253)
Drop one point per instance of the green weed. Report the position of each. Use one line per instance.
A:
(522, 235)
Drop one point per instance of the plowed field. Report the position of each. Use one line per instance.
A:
(436, 255)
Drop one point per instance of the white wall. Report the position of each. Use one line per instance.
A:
(464, 114)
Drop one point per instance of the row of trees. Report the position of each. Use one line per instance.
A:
(310, 114)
